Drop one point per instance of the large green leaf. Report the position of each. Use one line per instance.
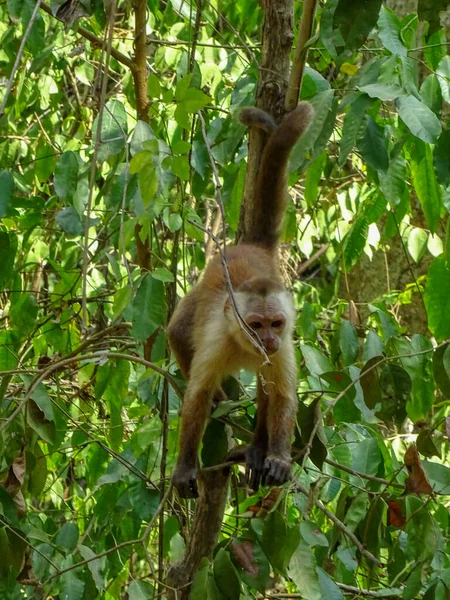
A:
(226, 576)
(148, 307)
(355, 21)
(114, 129)
(437, 298)
(420, 120)
(303, 571)
(66, 175)
(6, 191)
(390, 30)
(425, 184)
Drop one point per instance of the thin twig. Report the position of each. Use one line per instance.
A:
(88, 35)
(19, 56)
(340, 525)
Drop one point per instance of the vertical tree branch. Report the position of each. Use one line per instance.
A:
(206, 525)
(140, 59)
(277, 37)
(301, 50)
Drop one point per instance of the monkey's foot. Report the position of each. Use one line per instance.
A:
(254, 457)
(185, 481)
(276, 471)
(254, 466)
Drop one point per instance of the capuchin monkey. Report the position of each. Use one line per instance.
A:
(210, 343)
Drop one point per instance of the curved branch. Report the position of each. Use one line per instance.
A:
(301, 50)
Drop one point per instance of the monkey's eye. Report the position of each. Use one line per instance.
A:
(256, 325)
(277, 323)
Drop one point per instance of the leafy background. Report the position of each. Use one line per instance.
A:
(98, 235)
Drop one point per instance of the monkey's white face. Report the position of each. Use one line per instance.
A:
(271, 318)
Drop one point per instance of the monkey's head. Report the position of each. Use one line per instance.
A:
(267, 309)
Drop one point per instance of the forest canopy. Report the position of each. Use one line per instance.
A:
(123, 169)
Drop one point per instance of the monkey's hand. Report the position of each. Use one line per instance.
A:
(254, 457)
(185, 481)
(276, 471)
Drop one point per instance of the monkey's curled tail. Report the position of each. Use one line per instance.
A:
(271, 183)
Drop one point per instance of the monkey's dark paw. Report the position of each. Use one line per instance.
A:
(254, 469)
(276, 471)
(185, 481)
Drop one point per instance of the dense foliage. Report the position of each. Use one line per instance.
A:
(97, 236)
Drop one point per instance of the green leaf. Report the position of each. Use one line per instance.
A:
(355, 21)
(366, 456)
(373, 146)
(66, 175)
(322, 104)
(148, 308)
(162, 274)
(6, 192)
(441, 158)
(393, 182)
(199, 590)
(226, 576)
(144, 501)
(69, 221)
(308, 417)
(68, 536)
(182, 86)
(355, 241)
(420, 120)
(316, 362)
(303, 571)
(443, 77)
(148, 183)
(430, 92)
(308, 322)
(370, 382)
(72, 588)
(390, 32)
(181, 147)
(313, 176)
(8, 249)
(441, 368)
(140, 160)
(425, 184)
(195, 100)
(114, 130)
(141, 590)
(312, 534)
(428, 10)
(233, 206)
(154, 86)
(437, 299)
(279, 541)
(215, 444)
(417, 243)
(329, 589)
(24, 314)
(345, 409)
(38, 473)
(348, 342)
(396, 388)
(383, 91)
(180, 167)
